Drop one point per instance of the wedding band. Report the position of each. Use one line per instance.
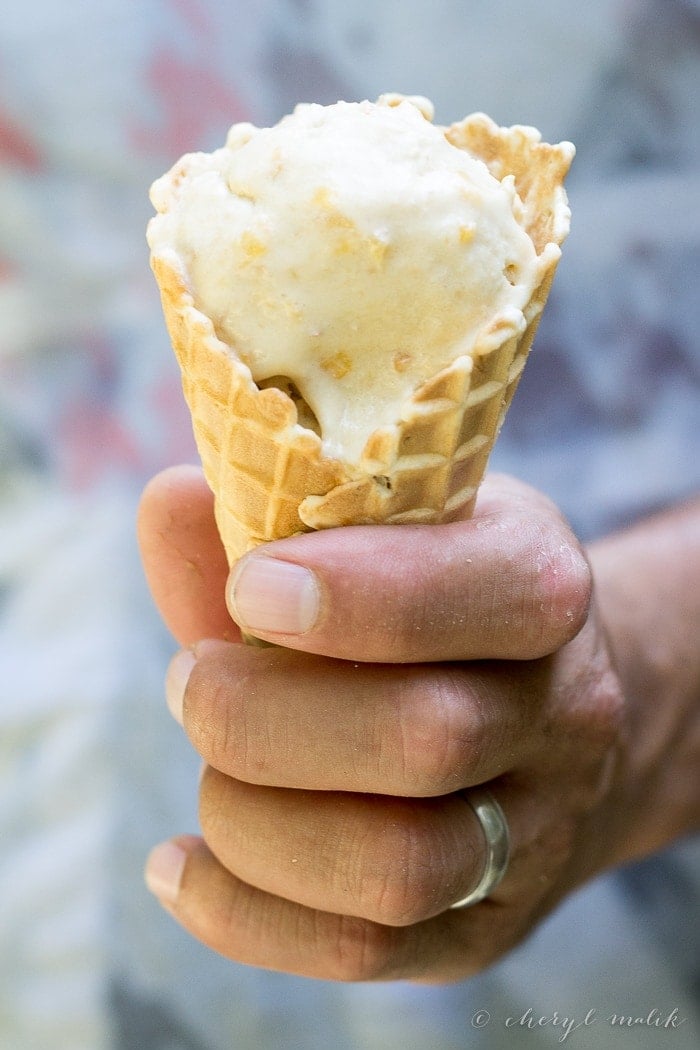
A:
(495, 829)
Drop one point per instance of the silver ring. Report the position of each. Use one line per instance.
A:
(495, 829)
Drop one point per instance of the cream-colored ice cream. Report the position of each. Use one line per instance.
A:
(390, 273)
(351, 249)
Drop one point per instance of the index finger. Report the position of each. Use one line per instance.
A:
(277, 718)
(183, 557)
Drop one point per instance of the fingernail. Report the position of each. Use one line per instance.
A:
(273, 597)
(176, 678)
(164, 869)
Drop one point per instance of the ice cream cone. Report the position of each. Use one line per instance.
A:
(260, 451)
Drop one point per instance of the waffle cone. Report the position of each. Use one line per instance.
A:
(268, 472)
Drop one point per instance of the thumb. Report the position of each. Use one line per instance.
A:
(510, 583)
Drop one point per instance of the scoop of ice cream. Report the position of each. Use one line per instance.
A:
(352, 250)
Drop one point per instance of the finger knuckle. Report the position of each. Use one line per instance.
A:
(600, 716)
(594, 729)
(434, 733)
(606, 715)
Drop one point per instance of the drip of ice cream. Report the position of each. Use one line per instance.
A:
(351, 249)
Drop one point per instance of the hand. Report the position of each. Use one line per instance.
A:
(416, 662)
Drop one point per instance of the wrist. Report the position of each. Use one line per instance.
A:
(647, 582)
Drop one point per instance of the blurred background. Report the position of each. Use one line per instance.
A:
(98, 98)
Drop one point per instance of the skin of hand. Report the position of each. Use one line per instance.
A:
(411, 664)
